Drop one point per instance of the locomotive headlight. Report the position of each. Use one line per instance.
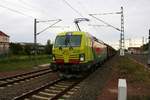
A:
(82, 57)
(53, 58)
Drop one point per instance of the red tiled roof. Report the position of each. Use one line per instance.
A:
(3, 34)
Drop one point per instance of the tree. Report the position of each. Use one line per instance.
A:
(145, 47)
(48, 47)
(16, 48)
(28, 49)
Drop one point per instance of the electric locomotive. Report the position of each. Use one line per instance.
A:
(76, 52)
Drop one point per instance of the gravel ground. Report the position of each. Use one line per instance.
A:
(91, 87)
(10, 92)
(142, 58)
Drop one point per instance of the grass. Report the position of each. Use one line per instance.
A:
(134, 72)
(137, 76)
(22, 62)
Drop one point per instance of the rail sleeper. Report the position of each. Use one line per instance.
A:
(40, 97)
(46, 93)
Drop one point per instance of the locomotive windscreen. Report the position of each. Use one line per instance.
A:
(63, 41)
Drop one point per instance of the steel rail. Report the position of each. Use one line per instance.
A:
(64, 91)
(56, 96)
(19, 75)
(23, 78)
(32, 92)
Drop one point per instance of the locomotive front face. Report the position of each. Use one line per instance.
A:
(67, 50)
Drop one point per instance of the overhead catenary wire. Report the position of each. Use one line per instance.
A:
(107, 13)
(96, 25)
(72, 8)
(33, 7)
(90, 24)
(20, 12)
(47, 20)
(17, 4)
(86, 11)
(16, 11)
(104, 22)
(24, 3)
(49, 26)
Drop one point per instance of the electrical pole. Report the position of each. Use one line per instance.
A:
(149, 48)
(122, 42)
(37, 33)
(35, 42)
(35, 39)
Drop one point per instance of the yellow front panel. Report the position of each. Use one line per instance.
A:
(72, 52)
(66, 53)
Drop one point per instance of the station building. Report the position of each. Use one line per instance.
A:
(134, 50)
(4, 43)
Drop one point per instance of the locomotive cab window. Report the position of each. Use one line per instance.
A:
(72, 40)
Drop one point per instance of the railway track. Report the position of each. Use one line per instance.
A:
(58, 89)
(8, 81)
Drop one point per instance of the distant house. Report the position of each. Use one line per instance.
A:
(134, 50)
(4, 43)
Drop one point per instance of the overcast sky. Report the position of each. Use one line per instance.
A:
(17, 18)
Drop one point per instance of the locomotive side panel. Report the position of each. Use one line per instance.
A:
(99, 51)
